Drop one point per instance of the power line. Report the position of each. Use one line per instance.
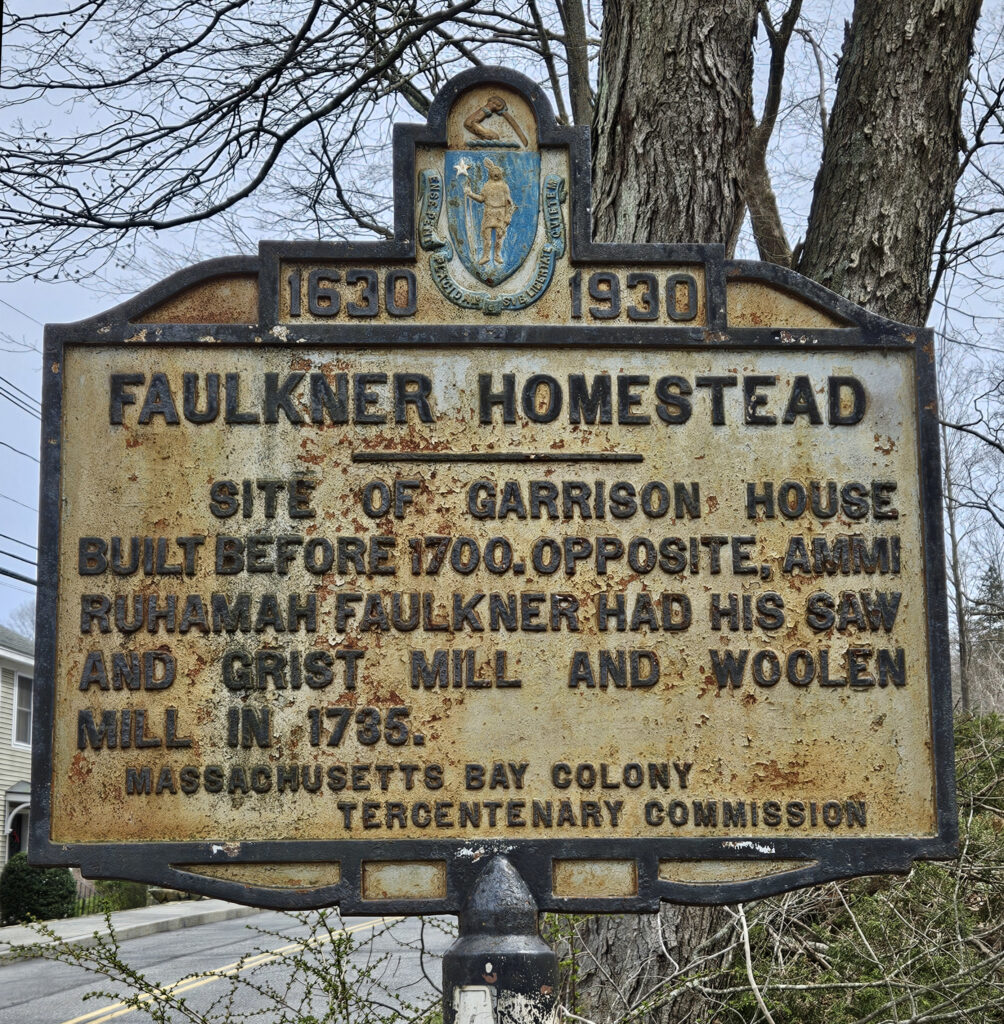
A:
(19, 402)
(27, 316)
(14, 400)
(23, 543)
(18, 450)
(7, 497)
(10, 554)
(31, 398)
(14, 587)
(18, 576)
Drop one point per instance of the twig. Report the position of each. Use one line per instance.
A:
(749, 966)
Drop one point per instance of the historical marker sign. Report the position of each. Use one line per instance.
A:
(362, 562)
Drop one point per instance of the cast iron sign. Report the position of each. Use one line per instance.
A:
(363, 562)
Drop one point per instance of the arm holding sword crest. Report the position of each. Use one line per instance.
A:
(495, 106)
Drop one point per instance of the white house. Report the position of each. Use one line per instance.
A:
(16, 669)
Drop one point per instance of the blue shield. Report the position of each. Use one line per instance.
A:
(492, 199)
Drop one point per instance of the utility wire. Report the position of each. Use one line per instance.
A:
(14, 400)
(23, 543)
(18, 576)
(18, 450)
(14, 587)
(7, 497)
(31, 398)
(10, 554)
(22, 312)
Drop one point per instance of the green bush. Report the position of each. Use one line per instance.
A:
(120, 895)
(40, 893)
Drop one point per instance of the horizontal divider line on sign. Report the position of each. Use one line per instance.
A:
(496, 457)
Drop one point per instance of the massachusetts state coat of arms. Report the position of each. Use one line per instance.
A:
(500, 214)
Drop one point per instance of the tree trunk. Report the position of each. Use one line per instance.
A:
(890, 161)
(626, 966)
(577, 52)
(672, 120)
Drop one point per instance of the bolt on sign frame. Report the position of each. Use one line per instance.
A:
(363, 562)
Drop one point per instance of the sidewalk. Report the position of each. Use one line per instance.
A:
(128, 924)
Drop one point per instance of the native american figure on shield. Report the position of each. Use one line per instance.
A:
(498, 211)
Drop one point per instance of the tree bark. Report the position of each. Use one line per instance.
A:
(628, 967)
(765, 218)
(573, 18)
(672, 120)
(890, 161)
(670, 131)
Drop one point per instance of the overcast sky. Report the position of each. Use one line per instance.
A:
(24, 308)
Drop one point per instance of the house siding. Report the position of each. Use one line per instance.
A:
(15, 761)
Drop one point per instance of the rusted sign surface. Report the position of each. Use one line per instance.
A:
(364, 562)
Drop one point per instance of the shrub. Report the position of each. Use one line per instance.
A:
(30, 892)
(121, 895)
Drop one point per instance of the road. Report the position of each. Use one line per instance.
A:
(267, 968)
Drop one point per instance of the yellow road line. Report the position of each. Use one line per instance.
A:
(193, 981)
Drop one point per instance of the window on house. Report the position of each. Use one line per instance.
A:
(22, 710)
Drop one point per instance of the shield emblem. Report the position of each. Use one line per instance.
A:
(492, 200)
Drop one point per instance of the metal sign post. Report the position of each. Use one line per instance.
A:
(366, 565)
(499, 969)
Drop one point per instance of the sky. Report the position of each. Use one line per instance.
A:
(24, 308)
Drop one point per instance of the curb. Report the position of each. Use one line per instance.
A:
(124, 932)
